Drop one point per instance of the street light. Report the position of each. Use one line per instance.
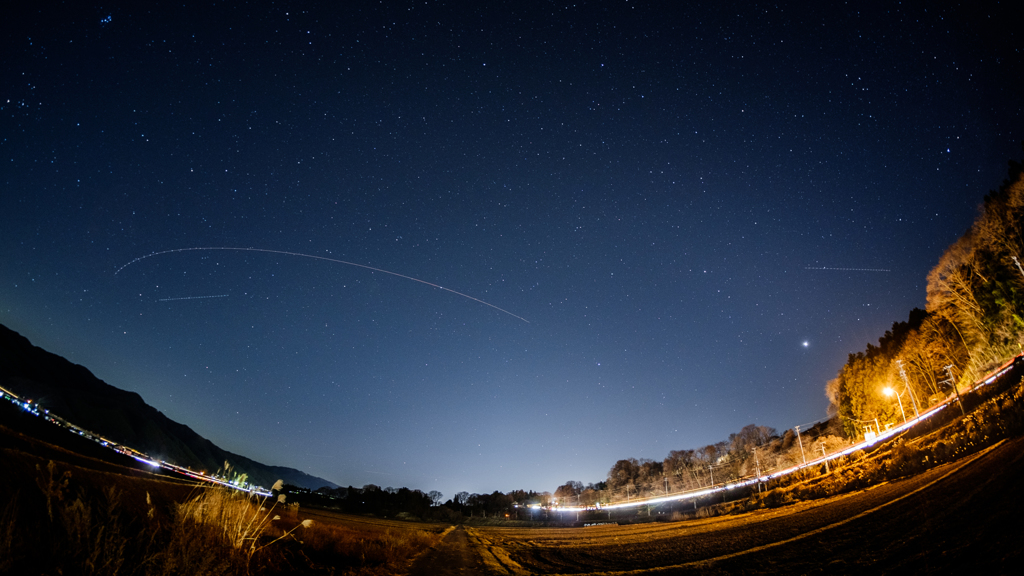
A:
(889, 392)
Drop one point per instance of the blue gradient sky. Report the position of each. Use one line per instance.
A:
(654, 189)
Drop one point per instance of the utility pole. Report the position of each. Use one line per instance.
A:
(1017, 262)
(801, 442)
(823, 455)
(903, 375)
(757, 470)
(951, 382)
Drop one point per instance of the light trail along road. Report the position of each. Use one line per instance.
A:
(960, 516)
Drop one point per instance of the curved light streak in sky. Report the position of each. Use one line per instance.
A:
(849, 269)
(192, 298)
(335, 260)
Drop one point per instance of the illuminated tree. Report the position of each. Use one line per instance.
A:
(567, 492)
(650, 477)
(589, 497)
(678, 466)
(750, 437)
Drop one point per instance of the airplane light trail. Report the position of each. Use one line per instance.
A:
(849, 269)
(301, 255)
(192, 298)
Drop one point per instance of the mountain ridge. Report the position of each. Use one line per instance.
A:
(74, 393)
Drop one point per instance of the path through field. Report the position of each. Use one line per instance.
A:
(453, 556)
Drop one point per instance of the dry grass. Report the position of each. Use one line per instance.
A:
(223, 531)
(63, 519)
(9, 543)
(91, 535)
(240, 520)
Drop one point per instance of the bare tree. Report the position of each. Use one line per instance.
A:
(569, 491)
(624, 473)
(678, 466)
(951, 291)
(651, 477)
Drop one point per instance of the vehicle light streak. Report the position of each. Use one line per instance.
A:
(56, 420)
(992, 377)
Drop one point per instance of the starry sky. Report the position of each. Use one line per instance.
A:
(500, 244)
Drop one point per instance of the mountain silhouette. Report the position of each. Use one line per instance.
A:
(72, 392)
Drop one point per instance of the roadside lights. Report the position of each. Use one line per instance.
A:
(890, 392)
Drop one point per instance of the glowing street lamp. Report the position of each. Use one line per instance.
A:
(889, 392)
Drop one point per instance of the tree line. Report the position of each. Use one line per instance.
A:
(754, 450)
(972, 323)
(414, 504)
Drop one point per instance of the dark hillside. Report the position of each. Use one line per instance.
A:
(75, 394)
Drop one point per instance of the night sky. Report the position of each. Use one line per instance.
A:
(667, 222)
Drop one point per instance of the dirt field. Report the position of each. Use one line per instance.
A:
(965, 516)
